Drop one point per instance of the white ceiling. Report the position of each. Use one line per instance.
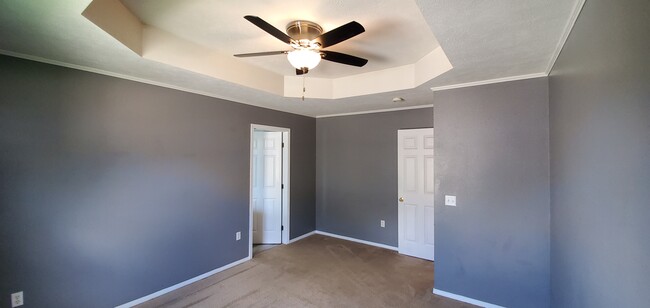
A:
(483, 40)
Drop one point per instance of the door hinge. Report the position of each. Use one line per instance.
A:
(282, 186)
(283, 144)
(282, 228)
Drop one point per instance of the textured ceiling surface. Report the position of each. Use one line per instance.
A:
(496, 39)
(482, 39)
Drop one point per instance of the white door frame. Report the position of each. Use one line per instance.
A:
(286, 168)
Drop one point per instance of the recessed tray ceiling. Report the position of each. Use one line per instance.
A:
(202, 36)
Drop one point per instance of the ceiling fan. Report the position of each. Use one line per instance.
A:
(307, 41)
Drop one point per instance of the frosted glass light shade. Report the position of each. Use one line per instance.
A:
(300, 58)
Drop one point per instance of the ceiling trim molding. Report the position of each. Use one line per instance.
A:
(565, 35)
(132, 78)
(488, 81)
(374, 111)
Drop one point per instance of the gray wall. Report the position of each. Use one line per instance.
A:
(491, 147)
(111, 189)
(600, 159)
(356, 172)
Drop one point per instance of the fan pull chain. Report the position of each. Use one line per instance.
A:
(303, 88)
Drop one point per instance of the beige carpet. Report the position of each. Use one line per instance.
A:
(257, 248)
(318, 271)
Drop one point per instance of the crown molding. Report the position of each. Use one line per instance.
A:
(565, 35)
(374, 111)
(489, 81)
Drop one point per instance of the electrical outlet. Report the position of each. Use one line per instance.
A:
(238, 236)
(382, 223)
(450, 200)
(17, 299)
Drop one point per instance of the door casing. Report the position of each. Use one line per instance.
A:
(286, 170)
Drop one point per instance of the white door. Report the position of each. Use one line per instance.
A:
(267, 187)
(415, 189)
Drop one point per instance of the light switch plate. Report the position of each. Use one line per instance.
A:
(450, 200)
(382, 223)
(238, 236)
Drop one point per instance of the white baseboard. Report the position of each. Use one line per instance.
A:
(182, 284)
(355, 240)
(308, 234)
(465, 299)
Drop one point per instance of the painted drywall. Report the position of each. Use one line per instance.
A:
(491, 152)
(356, 172)
(111, 190)
(600, 159)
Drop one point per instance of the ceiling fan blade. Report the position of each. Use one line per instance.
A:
(259, 54)
(343, 58)
(268, 28)
(340, 34)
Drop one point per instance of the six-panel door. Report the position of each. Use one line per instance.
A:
(415, 189)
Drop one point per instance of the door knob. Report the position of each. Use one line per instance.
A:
(401, 199)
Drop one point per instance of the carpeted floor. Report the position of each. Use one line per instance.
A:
(257, 248)
(318, 271)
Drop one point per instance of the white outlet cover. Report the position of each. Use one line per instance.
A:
(450, 200)
(17, 299)
(238, 236)
(382, 223)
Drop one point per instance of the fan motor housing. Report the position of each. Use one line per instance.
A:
(304, 30)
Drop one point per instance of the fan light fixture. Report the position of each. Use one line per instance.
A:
(301, 58)
(308, 43)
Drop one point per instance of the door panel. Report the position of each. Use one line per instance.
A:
(428, 174)
(269, 171)
(410, 221)
(416, 187)
(410, 173)
(428, 142)
(410, 143)
(269, 215)
(428, 225)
